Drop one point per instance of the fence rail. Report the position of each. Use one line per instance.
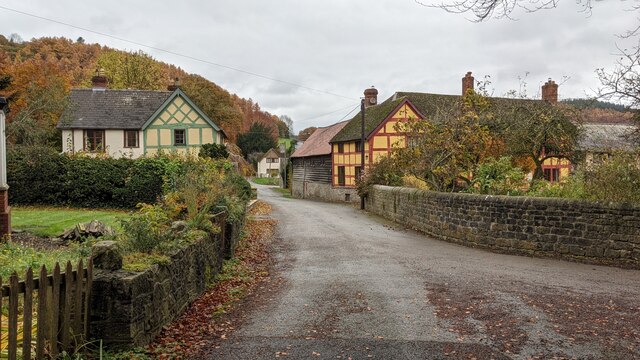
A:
(61, 304)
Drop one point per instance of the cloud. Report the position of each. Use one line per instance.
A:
(344, 46)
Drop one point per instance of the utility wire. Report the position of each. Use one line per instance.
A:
(329, 113)
(178, 54)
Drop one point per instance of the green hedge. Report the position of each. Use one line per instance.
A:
(40, 176)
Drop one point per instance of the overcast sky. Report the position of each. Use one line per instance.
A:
(343, 46)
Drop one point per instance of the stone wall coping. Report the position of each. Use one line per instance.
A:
(513, 200)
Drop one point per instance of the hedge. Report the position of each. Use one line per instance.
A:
(40, 176)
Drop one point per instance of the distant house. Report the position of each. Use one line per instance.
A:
(312, 166)
(602, 140)
(134, 123)
(270, 164)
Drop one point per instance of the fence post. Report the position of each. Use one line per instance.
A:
(55, 311)
(13, 317)
(43, 324)
(28, 314)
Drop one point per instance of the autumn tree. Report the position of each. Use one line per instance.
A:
(258, 139)
(215, 101)
(538, 131)
(444, 150)
(132, 70)
(304, 134)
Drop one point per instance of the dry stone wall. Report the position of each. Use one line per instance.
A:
(572, 229)
(130, 308)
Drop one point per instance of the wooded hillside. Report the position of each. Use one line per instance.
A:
(45, 69)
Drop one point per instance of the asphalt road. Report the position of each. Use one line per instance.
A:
(356, 286)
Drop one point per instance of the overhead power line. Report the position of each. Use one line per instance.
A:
(301, 86)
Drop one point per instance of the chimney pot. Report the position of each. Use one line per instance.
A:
(370, 96)
(550, 91)
(99, 81)
(467, 82)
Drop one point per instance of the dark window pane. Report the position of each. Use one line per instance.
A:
(341, 178)
(179, 138)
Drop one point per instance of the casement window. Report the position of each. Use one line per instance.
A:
(340, 148)
(131, 139)
(358, 146)
(179, 137)
(341, 177)
(94, 140)
(551, 174)
(358, 172)
(272, 160)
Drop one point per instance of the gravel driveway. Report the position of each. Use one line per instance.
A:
(355, 286)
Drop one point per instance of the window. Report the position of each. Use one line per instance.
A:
(358, 169)
(272, 160)
(340, 148)
(551, 174)
(94, 140)
(358, 146)
(179, 137)
(131, 138)
(341, 180)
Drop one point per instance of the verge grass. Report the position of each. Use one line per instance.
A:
(266, 180)
(52, 221)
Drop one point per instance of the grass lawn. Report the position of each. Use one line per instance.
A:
(266, 181)
(50, 221)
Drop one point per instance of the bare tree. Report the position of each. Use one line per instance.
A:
(486, 9)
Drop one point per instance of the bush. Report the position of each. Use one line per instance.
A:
(35, 175)
(384, 172)
(214, 151)
(40, 176)
(573, 187)
(499, 177)
(616, 179)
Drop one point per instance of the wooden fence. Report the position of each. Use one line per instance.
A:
(61, 308)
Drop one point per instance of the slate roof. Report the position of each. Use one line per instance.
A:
(111, 109)
(606, 137)
(435, 107)
(318, 143)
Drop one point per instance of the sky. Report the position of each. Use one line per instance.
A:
(335, 49)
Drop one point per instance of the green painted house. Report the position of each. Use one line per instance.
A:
(134, 123)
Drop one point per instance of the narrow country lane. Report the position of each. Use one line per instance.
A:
(356, 286)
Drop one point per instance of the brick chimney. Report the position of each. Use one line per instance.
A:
(370, 97)
(550, 91)
(467, 82)
(175, 86)
(99, 81)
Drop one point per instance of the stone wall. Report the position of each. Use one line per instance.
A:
(130, 308)
(319, 191)
(570, 229)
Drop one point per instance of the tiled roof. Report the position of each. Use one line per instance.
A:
(607, 137)
(111, 109)
(436, 107)
(318, 142)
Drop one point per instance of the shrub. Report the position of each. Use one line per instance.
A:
(573, 187)
(35, 175)
(384, 172)
(616, 179)
(94, 182)
(214, 151)
(499, 177)
(145, 229)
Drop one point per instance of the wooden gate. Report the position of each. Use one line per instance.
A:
(45, 315)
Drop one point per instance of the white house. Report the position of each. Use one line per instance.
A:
(270, 164)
